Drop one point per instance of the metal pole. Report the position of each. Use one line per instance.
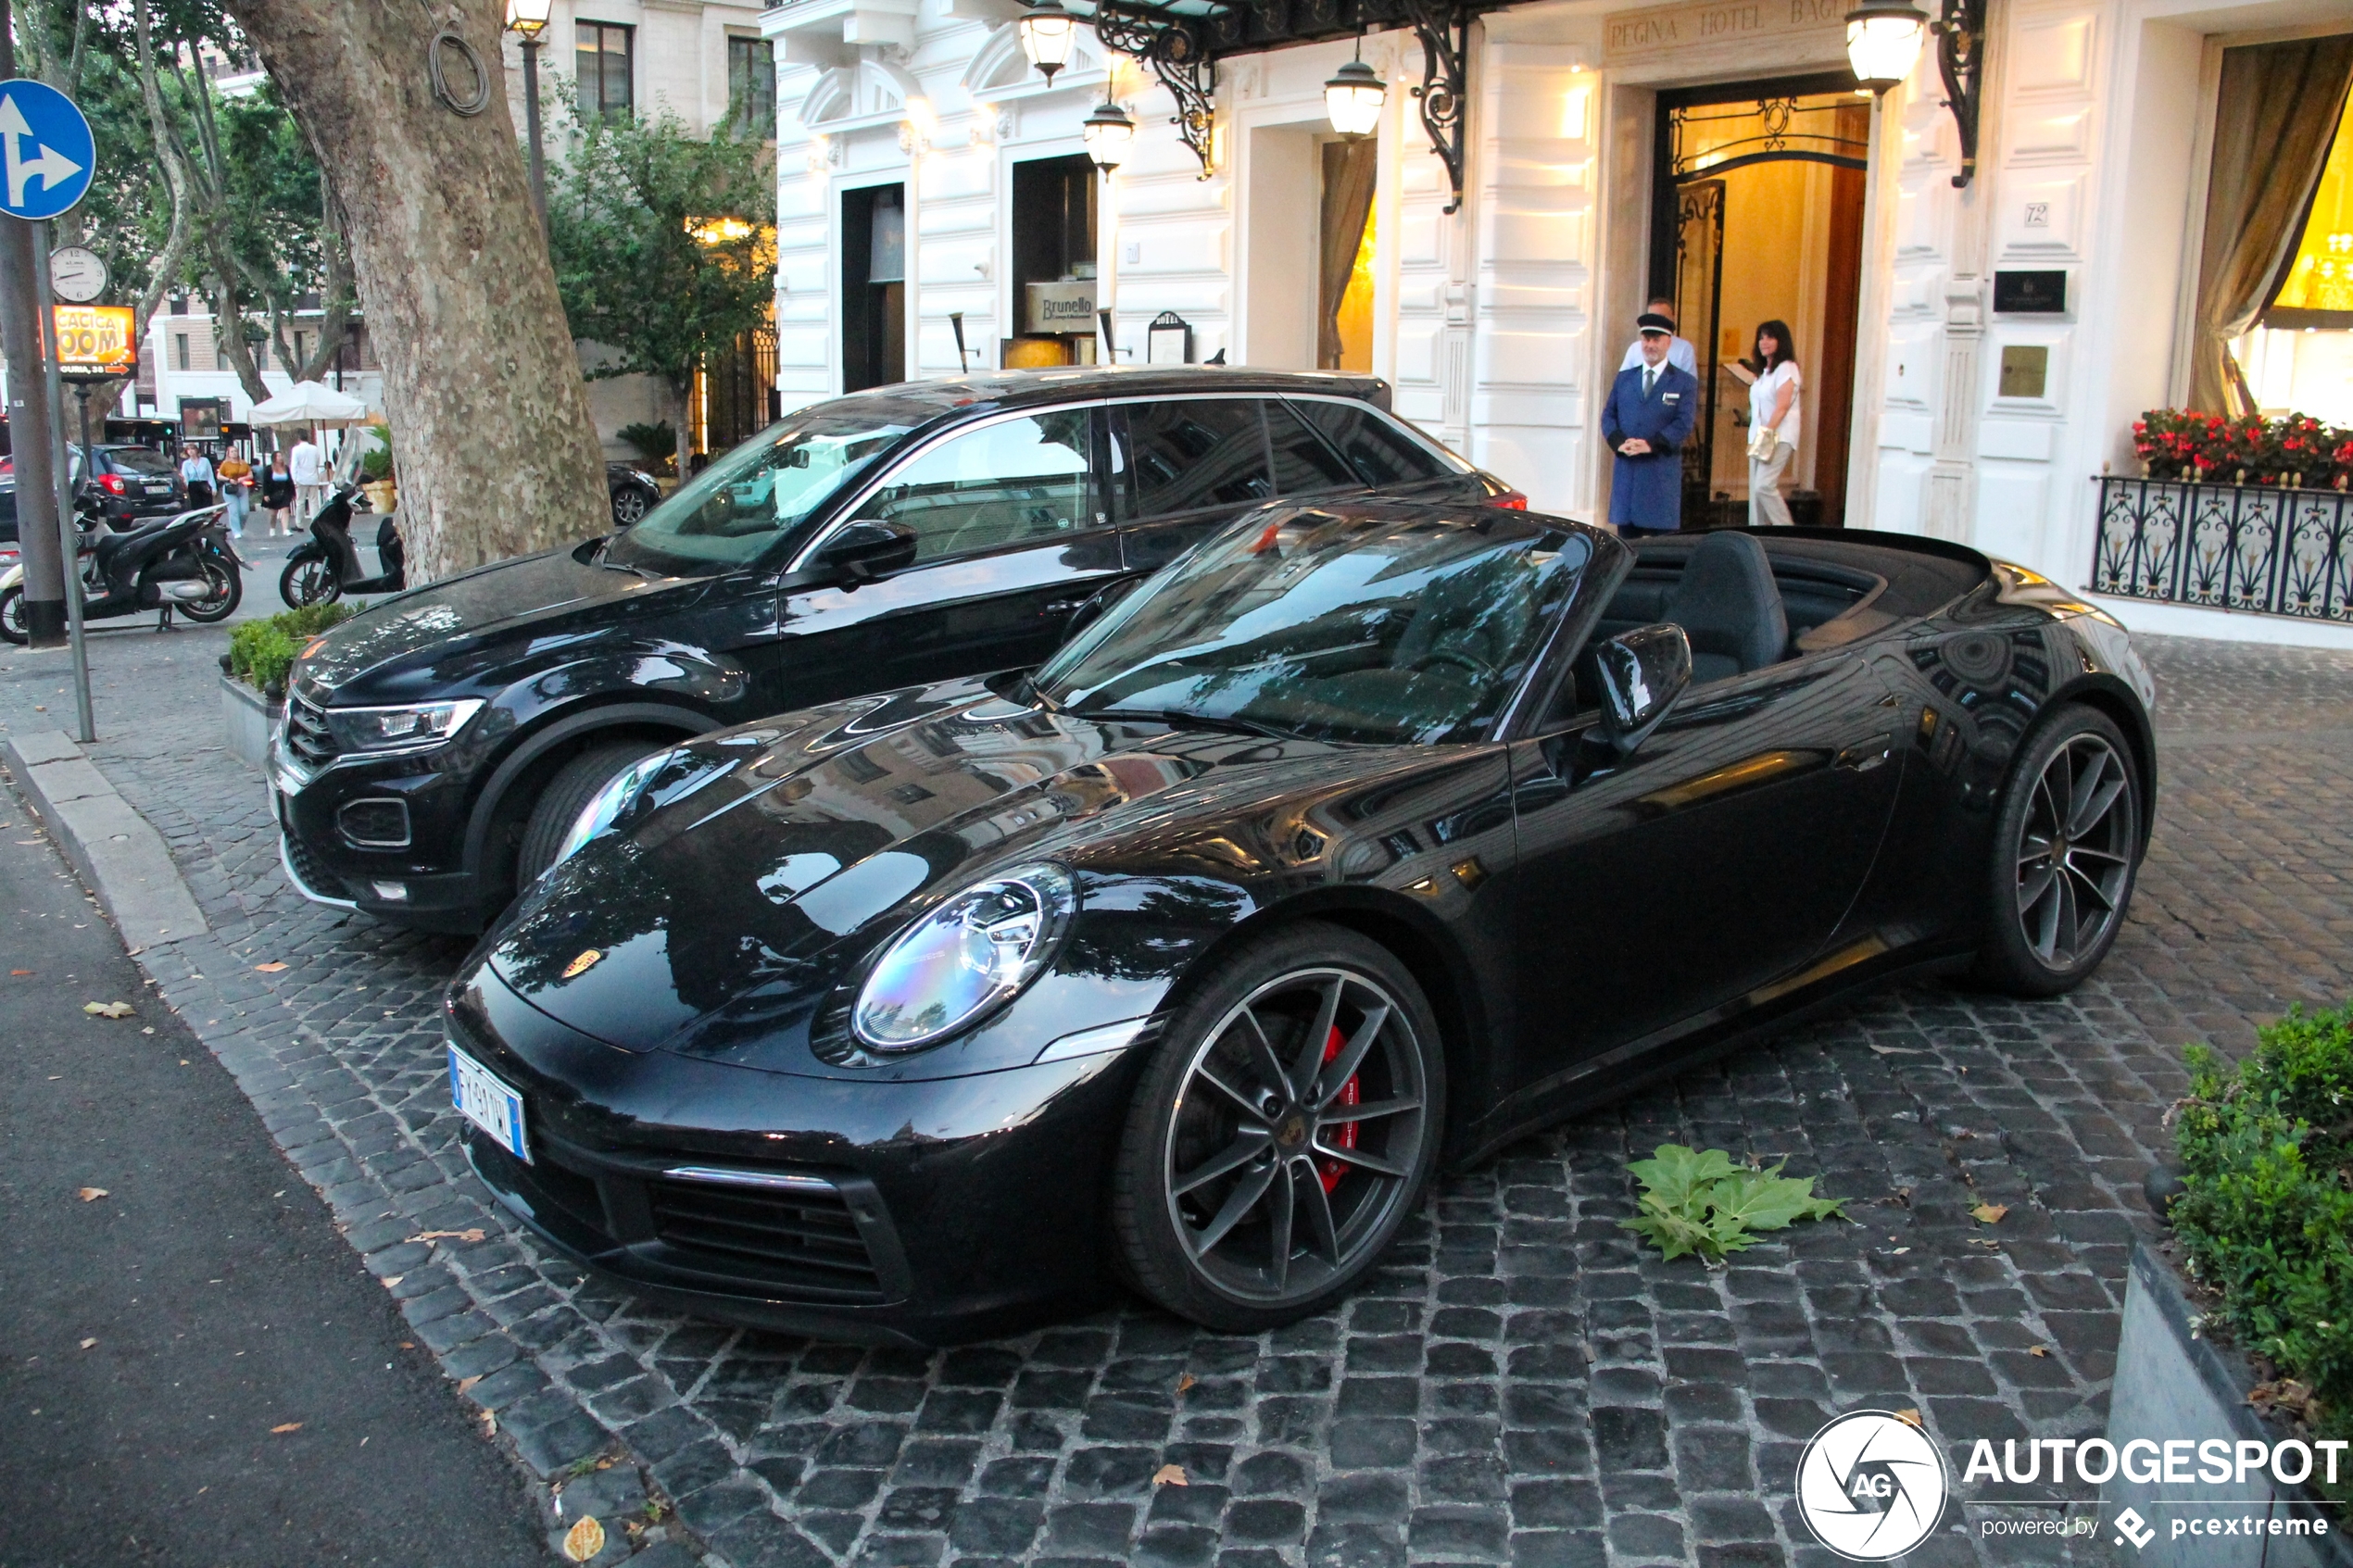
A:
(69, 536)
(21, 335)
(530, 127)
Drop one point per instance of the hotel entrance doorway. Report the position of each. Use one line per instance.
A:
(1758, 216)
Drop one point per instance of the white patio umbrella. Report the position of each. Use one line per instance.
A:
(311, 403)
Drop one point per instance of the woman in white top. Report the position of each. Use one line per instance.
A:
(1772, 406)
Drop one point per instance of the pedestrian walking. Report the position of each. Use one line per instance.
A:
(1773, 422)
(1651, 408)
(278, 495)
(308, 467)
(195, 472)
(236, 486)
(1679, 352)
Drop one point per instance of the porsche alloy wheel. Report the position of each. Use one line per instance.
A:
(2071, 839)
(1283, 1133)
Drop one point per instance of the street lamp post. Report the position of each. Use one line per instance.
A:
(525, 19)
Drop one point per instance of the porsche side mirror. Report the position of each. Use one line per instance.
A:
(865, 550)
(1642, 672)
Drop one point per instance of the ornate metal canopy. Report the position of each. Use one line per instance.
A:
(1181, 41)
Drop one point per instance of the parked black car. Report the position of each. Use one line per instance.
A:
(131, 481)
(1369, 838)
(633, 493)
(438, 747)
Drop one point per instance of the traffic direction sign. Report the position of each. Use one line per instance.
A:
(46, 151)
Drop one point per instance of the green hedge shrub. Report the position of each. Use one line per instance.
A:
(2267, 1219)
(260, 652)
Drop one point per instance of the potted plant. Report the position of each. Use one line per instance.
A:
(253, 673)
(376, 472)
(2240, 1326)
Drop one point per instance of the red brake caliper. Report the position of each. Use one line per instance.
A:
(1332, 1169)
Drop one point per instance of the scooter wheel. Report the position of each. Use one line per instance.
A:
(228, 591)
(13, 624)
(309, 580)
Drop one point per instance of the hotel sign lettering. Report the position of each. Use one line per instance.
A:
(1667, 30)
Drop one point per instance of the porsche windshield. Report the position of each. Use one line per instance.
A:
(749, 499)
(1388, 627)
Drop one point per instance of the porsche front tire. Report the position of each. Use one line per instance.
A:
(1284, 1129)
(2067, 850)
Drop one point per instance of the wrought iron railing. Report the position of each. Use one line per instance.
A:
(2226, 547)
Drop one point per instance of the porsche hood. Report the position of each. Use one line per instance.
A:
(797, 846)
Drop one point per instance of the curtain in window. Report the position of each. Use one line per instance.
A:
(1350, 170)
(2273, 121)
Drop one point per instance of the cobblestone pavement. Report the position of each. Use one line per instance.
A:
(1521, 1385)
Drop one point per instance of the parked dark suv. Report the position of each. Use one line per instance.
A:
(132, 482)
(437, 748)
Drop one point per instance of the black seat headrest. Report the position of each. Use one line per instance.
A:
(1729, 605)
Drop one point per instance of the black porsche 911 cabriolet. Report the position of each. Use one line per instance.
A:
(1361, 837)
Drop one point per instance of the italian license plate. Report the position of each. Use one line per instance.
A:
(488, 1103)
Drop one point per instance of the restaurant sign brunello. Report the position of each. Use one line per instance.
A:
(1665, 30)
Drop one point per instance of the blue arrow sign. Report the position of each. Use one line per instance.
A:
(46, 151)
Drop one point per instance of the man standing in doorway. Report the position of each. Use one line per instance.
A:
(1680, 353)
(308, 469)
(1648, 418)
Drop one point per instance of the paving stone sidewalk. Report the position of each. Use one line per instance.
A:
(1521, 1385)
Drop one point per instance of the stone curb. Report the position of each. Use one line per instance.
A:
(542, 1427)
(113, 849)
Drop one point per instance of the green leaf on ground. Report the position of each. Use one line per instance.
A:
(1698, 1201)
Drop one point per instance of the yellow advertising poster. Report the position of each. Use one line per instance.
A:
(95, 340)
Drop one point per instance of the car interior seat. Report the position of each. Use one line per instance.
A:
(1729, 605)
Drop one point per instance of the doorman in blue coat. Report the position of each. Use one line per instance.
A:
(1651, 410)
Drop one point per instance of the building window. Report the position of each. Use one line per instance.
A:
(179, 350)
(2264, 337)
(602, 59)
(302, 355)
(751, 87)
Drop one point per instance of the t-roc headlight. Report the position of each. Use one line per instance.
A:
(968, 956)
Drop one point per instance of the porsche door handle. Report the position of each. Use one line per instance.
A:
(1864, 758)
(1064, 606)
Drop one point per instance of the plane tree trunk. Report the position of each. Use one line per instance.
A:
(497, 455)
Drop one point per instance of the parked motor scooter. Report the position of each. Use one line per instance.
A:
(183, 563)
(328, 566)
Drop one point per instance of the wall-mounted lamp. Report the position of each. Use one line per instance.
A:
(1883, 43)
(1353, 96)
(1045, 31)
(1109, 133)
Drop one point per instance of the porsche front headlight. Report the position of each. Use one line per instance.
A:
(965, 958)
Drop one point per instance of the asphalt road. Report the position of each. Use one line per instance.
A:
(152, 1339)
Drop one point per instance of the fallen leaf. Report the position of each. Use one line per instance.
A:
(1187, 1381)
(474, 1234)
(1910, 1417)
(583, 1540)
(1991, 1212)
(466, 1382)
(90, 1194)
(17, 971)
(287, 1426)
(391, 1280)
(1170, 1475)
(407, 1344)
(87, 1343)
(148, 1030)
(2043, 1350)
(582, 964)
(1901, 1251)
(272, 968)
(107, 1010)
